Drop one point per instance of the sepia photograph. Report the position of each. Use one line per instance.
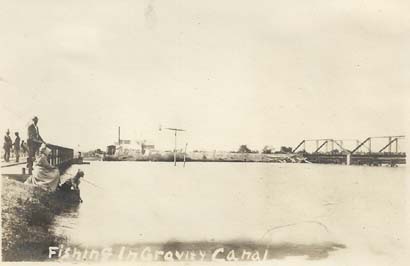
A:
(205, 132)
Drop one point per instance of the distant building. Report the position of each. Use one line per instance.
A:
(111, 149)
(133, 148)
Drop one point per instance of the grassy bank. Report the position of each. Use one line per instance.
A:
(27, 215)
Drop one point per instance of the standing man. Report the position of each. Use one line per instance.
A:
(16, 145)
(8, 143)
(34, 142)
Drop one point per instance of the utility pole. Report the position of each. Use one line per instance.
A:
(186, 145)
(175, 142)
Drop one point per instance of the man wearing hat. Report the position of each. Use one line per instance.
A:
(34, 142)
(7, 146)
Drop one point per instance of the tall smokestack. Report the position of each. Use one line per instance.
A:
(119, 135)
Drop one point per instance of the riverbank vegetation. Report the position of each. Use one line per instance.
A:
(27, 215)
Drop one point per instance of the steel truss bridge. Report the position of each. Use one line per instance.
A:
(358, 153)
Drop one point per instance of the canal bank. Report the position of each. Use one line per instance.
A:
(27, 215)
(205, 156)
(28, 211)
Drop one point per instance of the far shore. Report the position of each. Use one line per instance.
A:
(168, 156)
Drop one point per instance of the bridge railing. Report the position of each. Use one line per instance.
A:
(60, 156)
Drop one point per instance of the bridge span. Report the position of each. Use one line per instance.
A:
(379, 150)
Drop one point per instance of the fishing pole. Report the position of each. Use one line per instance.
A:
(91, 183)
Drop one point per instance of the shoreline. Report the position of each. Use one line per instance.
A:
(224, 157)
(28, 213)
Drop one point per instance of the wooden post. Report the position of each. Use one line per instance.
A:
(186, 144)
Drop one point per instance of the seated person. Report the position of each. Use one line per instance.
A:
(44, 175)
(73, 183)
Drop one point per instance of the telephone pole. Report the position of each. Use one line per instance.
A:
(175, 142)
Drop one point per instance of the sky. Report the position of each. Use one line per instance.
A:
(228, 72)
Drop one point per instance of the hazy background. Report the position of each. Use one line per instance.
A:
(230, 72)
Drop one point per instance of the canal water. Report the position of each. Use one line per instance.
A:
(362, 208)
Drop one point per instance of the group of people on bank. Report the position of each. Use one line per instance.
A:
(18, 147)
(43, 173)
